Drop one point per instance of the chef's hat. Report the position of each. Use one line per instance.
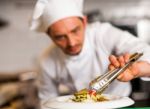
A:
(47, 12)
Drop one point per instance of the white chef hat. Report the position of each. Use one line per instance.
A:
(47, 12)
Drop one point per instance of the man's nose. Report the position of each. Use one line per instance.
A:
(71, 40)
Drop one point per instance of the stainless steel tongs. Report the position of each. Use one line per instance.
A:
(100, 83)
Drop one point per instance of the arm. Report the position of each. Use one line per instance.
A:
(47, 87)
(117, 42)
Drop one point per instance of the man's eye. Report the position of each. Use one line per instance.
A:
(59, 37)
(76, 30)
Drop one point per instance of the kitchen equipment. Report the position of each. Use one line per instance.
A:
(102, 82)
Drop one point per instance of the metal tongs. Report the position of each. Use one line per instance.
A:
(100, 83)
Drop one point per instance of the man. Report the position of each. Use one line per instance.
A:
(81, 51)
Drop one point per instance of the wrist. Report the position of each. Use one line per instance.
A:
(142, 69)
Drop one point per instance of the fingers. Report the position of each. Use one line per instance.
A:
(114, 61)
(126, 57)
(111, 67)
(128, 74)
(121, 60)
(125, 76)
(120, 77)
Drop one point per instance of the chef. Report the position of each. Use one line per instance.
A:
(80, 51)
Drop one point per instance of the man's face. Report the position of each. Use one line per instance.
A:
(68, 34)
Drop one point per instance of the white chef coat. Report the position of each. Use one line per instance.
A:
(101, 40)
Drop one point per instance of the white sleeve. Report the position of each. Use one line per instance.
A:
(145, 78)
(47, 85)
(117, 41)
(47, 88)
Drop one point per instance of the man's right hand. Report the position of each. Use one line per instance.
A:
(137, 69)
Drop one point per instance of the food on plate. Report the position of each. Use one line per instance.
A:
(88, 96)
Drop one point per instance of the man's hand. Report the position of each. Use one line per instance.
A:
(137, 69)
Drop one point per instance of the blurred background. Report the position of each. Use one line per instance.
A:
(20, 47)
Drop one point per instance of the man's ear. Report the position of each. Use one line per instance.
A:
(85, 20)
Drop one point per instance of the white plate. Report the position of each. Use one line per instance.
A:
(64, 103)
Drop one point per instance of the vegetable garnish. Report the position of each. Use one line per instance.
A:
(85, 95)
